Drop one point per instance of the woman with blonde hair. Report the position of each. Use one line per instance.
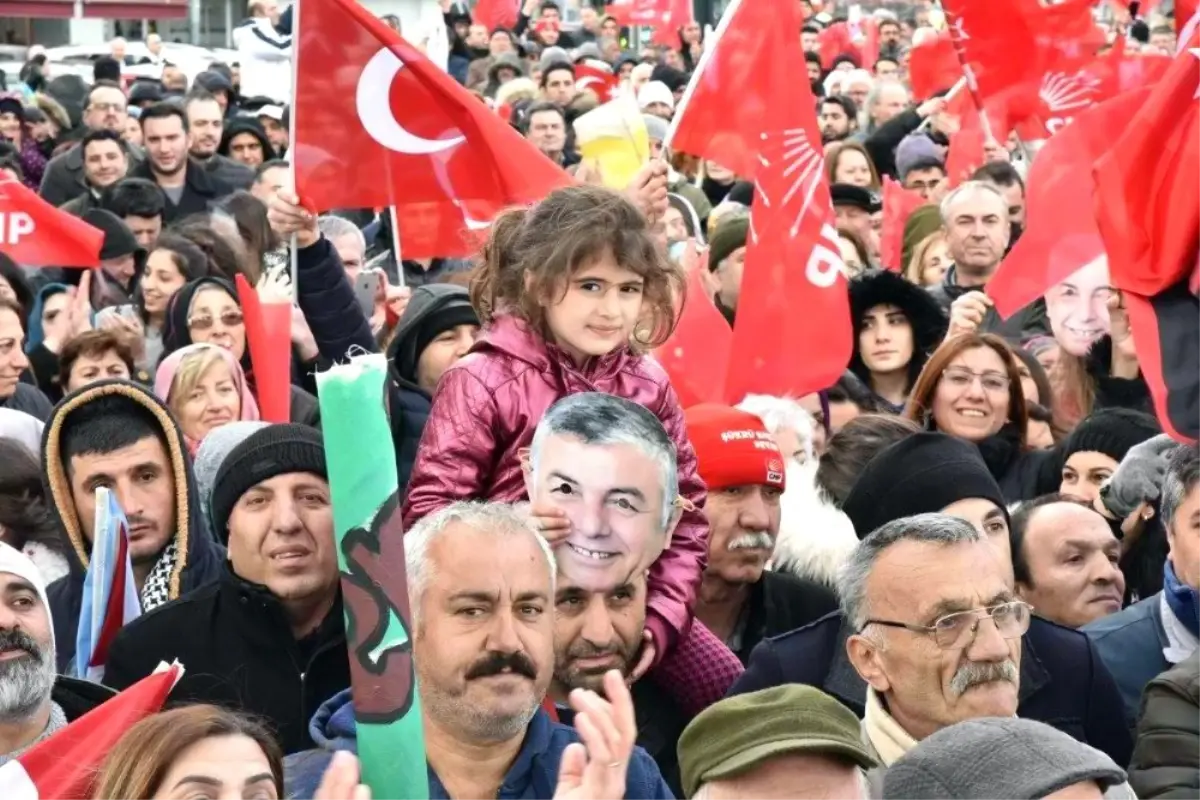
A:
(930, 260)
(205, 388)
(198, 752)
(848, 162)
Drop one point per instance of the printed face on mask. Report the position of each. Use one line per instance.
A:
(613, 496)
(1077, 308)
(597, 310)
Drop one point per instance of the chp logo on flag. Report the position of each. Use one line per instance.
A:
(1061, 92)
(775, 471)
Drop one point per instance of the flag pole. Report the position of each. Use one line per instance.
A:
(297, 31)
(394, 217)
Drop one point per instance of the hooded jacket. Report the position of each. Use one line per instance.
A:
(42, 360)
(249, 125)
(485, 411)
(410, 404)
(533, 774)
(199, 557)
(882, 287)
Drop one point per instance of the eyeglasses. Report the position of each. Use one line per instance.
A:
(104, 108)
(228, 319)
(961, 378)
(958, 630)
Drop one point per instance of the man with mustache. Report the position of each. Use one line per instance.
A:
(35, 702)
(937, 626)
(269, 637)
(740, 600)
(1063, 680)
(481, 584)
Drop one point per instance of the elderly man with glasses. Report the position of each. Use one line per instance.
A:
(937, 626)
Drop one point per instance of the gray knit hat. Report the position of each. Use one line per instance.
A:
(997, 757)
(913, 149)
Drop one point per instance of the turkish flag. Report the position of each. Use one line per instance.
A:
(449, 166)
(792, 333)
(696, 356)
(1062, 236)
(1148, 212)
(64, 766)
(34, 233)
(596, 77)
(933, 66)
(898, 205)
(496, 13)
(666, 30)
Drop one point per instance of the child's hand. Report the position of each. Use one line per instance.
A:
(552, 522)
(649, 651)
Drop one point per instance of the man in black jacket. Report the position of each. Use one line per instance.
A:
(1063, 682)
(268, 637)
(739, 600)
(189, 189)
(35, 702)
(118, 435)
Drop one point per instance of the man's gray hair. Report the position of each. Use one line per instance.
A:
(970, 187)
(852, 578)
(332, 227)
(499, 519)
(602, 419)
(1183, 471)
(878, 88)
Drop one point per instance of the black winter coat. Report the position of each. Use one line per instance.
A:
(779, 603)
(1063, 682)
(235, 642)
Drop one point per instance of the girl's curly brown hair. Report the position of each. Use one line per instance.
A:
(531, 253)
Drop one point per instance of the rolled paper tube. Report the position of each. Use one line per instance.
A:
(370, 544)
(269, 339)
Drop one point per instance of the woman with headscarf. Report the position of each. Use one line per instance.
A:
(205, 388)
(208, 310)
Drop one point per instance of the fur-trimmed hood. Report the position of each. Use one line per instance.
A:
(814, 536)
(196, 547)
(882, 287)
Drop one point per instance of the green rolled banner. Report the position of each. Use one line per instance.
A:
(370, 545)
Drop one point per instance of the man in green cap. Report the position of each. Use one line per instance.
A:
(783, 742)
(726, 259)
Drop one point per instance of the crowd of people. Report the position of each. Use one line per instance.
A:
(968, 568)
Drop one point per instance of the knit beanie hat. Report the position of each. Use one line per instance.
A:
(925, 221)
(216, 446)
(914, 148)
(274, 450)
(921, 474)
(997, 757)
(733, 447)
(1111, 431)
(14, 562)
(118, 238)
(729, 236)
(445, 318)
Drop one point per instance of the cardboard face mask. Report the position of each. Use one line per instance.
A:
(1077, 308)
(613, 496)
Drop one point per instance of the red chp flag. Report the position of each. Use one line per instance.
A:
(1062, 236)
(792, 333)
(34, 233)
(65, 765)
(898, 205)
(696, 356)
(403, 133)
(496, 13)
(933, 66)
(1148, 212)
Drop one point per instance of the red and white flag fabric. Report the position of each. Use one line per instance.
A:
(496, 13)
(377, 124)
(64, 766)
(793, 291)
(1148, 212)
(34, 233)
(596, 77)
(1062, 236)
(933, 66)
